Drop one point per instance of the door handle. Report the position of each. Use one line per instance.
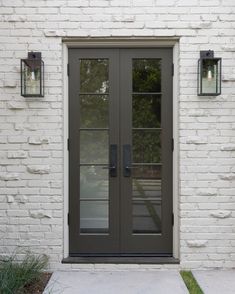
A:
(109, 167)
(131, 167)
(112, 161)
(127, 160)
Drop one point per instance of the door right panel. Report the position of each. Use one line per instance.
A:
(146, 140)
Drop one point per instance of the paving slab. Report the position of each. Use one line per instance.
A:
(216, 281)
(116, 282)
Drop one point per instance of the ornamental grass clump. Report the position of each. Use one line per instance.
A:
(16, 275)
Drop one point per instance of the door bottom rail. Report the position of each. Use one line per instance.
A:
(121, 259)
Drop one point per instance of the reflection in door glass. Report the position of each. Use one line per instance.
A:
(151, 171)
(94, 76)
(146, 217)
(94, 111)
(146, 146)
(146, 199)
(146, 111)
(94, 182)
(94, 216)
(94, 146)
(146, 75)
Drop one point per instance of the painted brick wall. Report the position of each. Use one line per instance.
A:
(31, 131)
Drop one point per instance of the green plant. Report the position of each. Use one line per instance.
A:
(16, 274)
(190, 282)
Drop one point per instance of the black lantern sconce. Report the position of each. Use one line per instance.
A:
(209, 74)
(32, 75)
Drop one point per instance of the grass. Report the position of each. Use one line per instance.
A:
(16, 276)
(191, 283)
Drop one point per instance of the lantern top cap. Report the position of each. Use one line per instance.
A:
(35, 55)
(207, 54)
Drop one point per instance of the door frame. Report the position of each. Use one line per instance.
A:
(121, 43)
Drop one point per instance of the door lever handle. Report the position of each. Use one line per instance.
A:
(127, 160)
(130, 167)
(112, 167)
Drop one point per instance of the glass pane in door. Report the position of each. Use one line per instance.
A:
(146, 111)
(146, 198)
(94, 183)
(94, 76)
(146, 73)
(146, 146)
(94, 111)
(94, 146)
(94, 216)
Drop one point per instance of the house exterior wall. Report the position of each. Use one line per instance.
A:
(32, 130)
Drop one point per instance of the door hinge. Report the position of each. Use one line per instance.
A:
(172, 144)
(172, 219)
(68, 144)
(173, 69)
(68, 219)
(68, 69)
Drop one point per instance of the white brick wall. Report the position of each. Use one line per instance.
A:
(31, 131)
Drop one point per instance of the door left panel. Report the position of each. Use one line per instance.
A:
(93, 152)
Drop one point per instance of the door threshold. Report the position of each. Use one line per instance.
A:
(122, 259)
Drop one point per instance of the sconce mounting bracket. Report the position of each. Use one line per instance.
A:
(35, 55)
(207, 54)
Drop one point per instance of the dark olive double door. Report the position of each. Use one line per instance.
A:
(120, 154)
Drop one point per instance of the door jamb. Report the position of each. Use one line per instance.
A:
(118, 43)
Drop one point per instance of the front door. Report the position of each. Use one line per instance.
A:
(120, 151)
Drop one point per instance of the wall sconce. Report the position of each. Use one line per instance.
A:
(32, 75)
(209, 74)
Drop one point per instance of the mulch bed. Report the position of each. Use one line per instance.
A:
(39, 286)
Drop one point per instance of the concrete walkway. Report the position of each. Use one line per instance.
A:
(116, 282)
(216, 281)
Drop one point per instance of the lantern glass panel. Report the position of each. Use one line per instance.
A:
(32, 77)
(210, 77)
